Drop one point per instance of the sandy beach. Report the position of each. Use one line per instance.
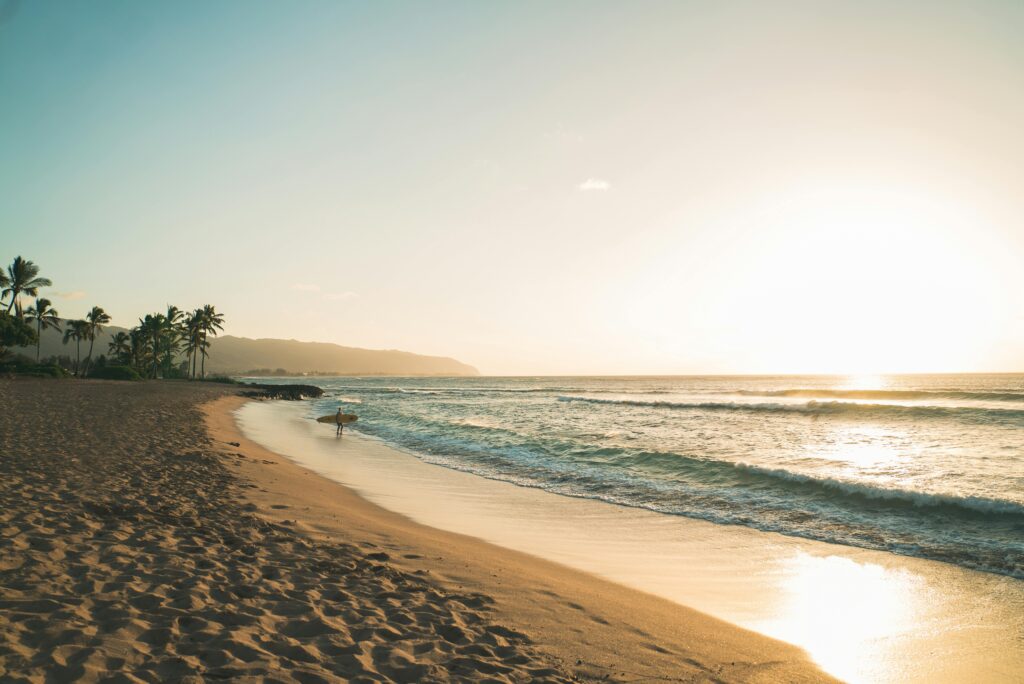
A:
(144, 539)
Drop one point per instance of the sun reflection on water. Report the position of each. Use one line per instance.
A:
(862, 447)
(846, 614)
(863, 381)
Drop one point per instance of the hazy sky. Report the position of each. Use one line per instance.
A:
(534, 187)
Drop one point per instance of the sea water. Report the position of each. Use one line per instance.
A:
(929, 466)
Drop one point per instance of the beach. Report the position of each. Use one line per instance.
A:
(144, 539)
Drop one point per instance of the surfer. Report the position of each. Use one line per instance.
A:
(341, 425)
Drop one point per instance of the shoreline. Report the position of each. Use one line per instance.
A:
(858, 614)
(593, 627)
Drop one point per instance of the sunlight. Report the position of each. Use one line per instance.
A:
(876, 604)
(861, 447)
(861, 281)
(837, 276)
(864, 381)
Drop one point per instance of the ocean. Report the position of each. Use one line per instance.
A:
(925, 465)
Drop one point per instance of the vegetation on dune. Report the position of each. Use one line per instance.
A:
(172, 344)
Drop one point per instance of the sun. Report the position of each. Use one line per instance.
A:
(870, 281)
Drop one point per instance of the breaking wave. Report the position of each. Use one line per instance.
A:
(820, 408)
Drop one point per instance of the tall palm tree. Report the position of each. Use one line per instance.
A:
(45, 317)
(120, 347)
(95, 320)
(77, 331)
(138, 342)
(172, 335)
(211, 323)
(23, 278)
(152, 329)
(193, 334)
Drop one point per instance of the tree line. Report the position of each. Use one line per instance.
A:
(174, 343)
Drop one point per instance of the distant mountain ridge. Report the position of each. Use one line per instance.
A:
(235, 354)
(230, 355)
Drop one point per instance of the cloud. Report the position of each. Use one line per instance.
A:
(340, 296)
(594, 184)
(306, 287)
(77, 294)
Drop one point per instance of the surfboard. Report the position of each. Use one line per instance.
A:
(333, 420)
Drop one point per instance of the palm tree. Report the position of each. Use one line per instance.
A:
(22, 278)
(4, 282)
(77, 331)
(211, 322)
(152, 332)
(193, 334)
(138, 342)
(172, 335)
(95, 319)
(45, 317)
(120, 347)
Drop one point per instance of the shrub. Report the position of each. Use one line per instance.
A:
(221, 378)
(115, 373)
(174, 373)
(14, 332)
(32, 370)
(44, 371)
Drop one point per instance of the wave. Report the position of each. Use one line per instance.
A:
(455, 390)
(819, 408)
(974, 532)
(478, 422)
(719, 473)
(894, 395)
(972, 504)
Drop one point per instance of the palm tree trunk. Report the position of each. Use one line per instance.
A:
(204, 358)
(88, 359)
(39, 338)
(78, 355)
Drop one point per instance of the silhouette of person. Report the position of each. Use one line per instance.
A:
(341, 425)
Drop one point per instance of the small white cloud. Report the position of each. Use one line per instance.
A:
(340, 296)
(594, 184)
(306, 287)
(77, 294)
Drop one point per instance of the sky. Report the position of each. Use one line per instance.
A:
(534, 187)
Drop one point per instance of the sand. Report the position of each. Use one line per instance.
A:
(137, 543)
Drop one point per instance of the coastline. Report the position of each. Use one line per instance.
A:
(860, 615)
(592, 627)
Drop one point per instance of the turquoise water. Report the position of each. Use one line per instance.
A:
(930, 466)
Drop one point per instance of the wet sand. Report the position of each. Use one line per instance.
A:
(138, 544)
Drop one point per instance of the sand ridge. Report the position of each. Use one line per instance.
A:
(127, 553)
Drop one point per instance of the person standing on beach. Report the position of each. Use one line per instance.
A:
(341, 425)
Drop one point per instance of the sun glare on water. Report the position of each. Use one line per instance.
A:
(876, 604)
